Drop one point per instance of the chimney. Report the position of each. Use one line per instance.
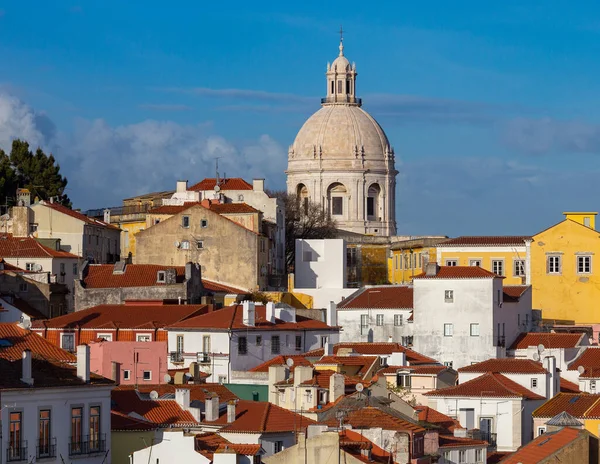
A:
(270, 312)
(432, 269)
(331, 314)
(182, 186)
(397, 358)
(182, 397)
(302, 374)
(553, 379)
(107, 216)
(230, 411)
(27, 376)
(211, 408)
(83, 362)
(116, 377)
(249, 313)
(328, 348)
(194, 371)
(277, 373)
(337, 387)
(258, 185)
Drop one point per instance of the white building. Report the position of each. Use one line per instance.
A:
(463, 314)
(240, 337)
(51, 409)
(585, 370)
(342, 159)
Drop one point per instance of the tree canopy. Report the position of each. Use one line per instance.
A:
(38, 172)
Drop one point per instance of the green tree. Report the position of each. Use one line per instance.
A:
(38, 172)
(8, 182)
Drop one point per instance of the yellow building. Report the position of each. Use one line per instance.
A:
(409, 258)
(564, 277)
(507, 256)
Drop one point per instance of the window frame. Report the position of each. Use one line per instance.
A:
(203, 223)
(578, 266)
(474, 325)
(259, 340)
(44, 433)
(149, 379)
(337, 204)
(448, 296)
(379, 320)
(495, 263)
(108, 337)
(15, 436)
(161, 277)
(76, 430)
(519, 267)
(298, 342)
(185, 221)
(450, 332)
(242, 345)
(275, 347)
(95, 425)
(126, 374)
(138, 337)
(534, 382)
(554, 264)
(452, 262)
(71, 346)
(398, 320)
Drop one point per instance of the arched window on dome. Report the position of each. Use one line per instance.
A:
(336, 198)
(373, 202)
(349, 87)
(302, 195)
(332, 87)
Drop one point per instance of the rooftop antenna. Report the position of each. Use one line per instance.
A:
(217, 181)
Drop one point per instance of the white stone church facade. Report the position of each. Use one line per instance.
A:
(342, 159)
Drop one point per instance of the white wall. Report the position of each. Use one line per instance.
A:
(322, 296)
(174, 446)
(320, 264)
(266, 440)
(349, 319)
(522, 379)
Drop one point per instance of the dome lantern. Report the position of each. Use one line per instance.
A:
(341, 80)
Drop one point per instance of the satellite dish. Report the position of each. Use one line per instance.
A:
(153, 395)
(359, 387)
(289, 362)
(217, 188)
(167, 378)
(25, 323)
(536, 357)
(37, 267)
(581, 370)
(541, 347)
(177, 244)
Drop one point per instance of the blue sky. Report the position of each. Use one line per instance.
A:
(492, 109)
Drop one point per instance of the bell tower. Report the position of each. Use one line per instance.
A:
(341, 80)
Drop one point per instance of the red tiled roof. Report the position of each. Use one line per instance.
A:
(321, 379)
(159, 412)
(216, 287)
(135, 275)
(173, 209)
(489, 240)
(232, 208)
(123, 316)
(432, 416)
(120, 422)
(198, 392)
(548, 339)
(77, 215)
(364, 362)
(459, 272)
(369, 417)
(506, 366)
(544, 446)
(384, 297)
(28, 247)
(21, 339)
(383, 348)
(513, 293)
(576, 404)
(299, 360)
(449, 441)
(209, 443)
(590, 361)
(568, 387)
(418, 369)
(4, 266)
(261, 417)
(231, 317)
(490, 385)
(352, 442)
(496, 456)
(234, 183)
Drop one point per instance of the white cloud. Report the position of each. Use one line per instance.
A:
(19, 120)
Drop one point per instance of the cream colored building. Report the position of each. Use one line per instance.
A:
(342, 159)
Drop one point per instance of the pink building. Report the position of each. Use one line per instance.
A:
(129, 363)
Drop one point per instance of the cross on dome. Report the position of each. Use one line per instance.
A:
(341, 41)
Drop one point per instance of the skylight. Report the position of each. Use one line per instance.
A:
(4, 343)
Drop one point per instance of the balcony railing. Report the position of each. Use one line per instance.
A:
(16, 453)
(89, 445)
(46, 449)
(176, 357)
(486, 436)
(203, 358)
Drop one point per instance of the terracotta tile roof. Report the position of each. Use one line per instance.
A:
(383, 348)
(364, 362)
(123, 316)
(496, 456)
(232, 208)
(590, 361)
(513, 293)
(432, 416)
(490, 385)
(418, 369)
(120, 422)
(506, 366)
(209, 443)
(28, 247)
(135, 275)
(321, 379)
(4, 266)
(544, 446)
(216, 287)
(234, 183)
(352, 443)
(20, 339)
(449, 441)
(160, 412)
(198, 392)
(77, 215)
(231, 317)
(384, 297)
(548, 339)
(299, 360)
(576, 404)
(263, 417)
(173, 209)
(370, 417)
(568, 387)
(459, 272)
(489, 240)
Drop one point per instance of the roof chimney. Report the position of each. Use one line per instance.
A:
(258, 185)
(230, 411)
(83, 363)
(182, 186)
(270, 312)
(211, 408)
(249, 313)
(27, 376)
(432, 269)
(182, 397)
(331, 314)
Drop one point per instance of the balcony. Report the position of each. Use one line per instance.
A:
(46, 449)
(89, 445)
(16, 453)
(203, 358)
(176, 357)
(485, 436)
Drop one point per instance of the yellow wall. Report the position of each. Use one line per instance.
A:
(585, 219)
(294, 299)
(125, 443)
(486, 258)
(567, 296)
(591, 425)
(128, 236)
(402, 268)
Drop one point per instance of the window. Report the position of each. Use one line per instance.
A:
(147, 375)
(403, 380)
(62, 268)
(475, 262)
(179, 344)
(451, 262)
(29, 266)
(478, 455)
(281, 395)
(94, 436)
(364, 320)
(185, 222)
(23, 287)
(67, 342)
(200, 244)
(533, 383)
(259, 340)
(204, 223)
(398, 320)
(143, 337)
(156, 221)
(541, 430)
(448, 330)
(33, 228)
(519, 267)
(449, 296)
(474, 330)
(498, 267)
(553, 264)
(97, 240)
(379, 319)
(337, 206)
(75, 269)
(275, 344)
(584, 264)
(76, 431)
(448, 364)
(44, 434)
(126, 374)
(370, 206)
(462, 456)
(185, 245)
(105, 336)
(299, 343)
(161, 277)
(242, 345)
(278, 447)
(15, 437)
(447, 456)
(340, 87)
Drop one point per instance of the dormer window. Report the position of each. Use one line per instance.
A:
(161, 277)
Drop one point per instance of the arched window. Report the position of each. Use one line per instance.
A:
(373, 202)
(336, 194)
(332, 87)
(302, 195)
(348, 87)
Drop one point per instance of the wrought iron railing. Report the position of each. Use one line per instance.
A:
(16, 453)
(89, 445)
(46, 448)
(176, 356)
